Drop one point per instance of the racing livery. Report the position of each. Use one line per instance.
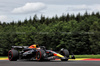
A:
(35, 52)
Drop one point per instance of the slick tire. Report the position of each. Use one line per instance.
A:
(13, 55)
(64, 59)
(65, 53)
(40, 55)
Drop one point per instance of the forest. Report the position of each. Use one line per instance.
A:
(80, 34)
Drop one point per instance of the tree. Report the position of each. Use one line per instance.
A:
(77, 33)
(94, 38)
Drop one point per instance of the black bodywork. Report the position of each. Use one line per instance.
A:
(23, 52)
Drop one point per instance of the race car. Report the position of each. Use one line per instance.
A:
(36, 52)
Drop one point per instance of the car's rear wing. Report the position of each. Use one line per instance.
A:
(19, 47)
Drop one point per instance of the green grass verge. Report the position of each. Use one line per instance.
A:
(3, 57)
(87, 56)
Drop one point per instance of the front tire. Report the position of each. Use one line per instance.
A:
(65, 53)
(13, 55)
(64, 59)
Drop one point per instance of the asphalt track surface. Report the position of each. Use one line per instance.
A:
(49, 63)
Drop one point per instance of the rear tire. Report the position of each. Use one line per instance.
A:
(40, 55)
(13, 55)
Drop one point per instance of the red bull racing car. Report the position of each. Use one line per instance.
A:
(35, 52)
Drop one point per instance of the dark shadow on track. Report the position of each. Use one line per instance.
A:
(42, 61)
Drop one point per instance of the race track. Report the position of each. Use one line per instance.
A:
(49, 63)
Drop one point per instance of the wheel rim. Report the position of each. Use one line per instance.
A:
(10, 55)
(38, 56)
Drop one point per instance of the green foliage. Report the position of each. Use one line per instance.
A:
(79, 34)
(87, 56)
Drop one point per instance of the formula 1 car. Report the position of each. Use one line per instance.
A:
(35, 52)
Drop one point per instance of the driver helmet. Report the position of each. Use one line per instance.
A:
(33, 46)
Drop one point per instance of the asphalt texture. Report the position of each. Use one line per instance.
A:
(49, 63)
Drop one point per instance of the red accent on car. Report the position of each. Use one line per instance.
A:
(55, 54)
(11, 55)
(47, 52)
(40, 55)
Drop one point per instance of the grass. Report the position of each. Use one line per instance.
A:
(3, 56)
(87, 56)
